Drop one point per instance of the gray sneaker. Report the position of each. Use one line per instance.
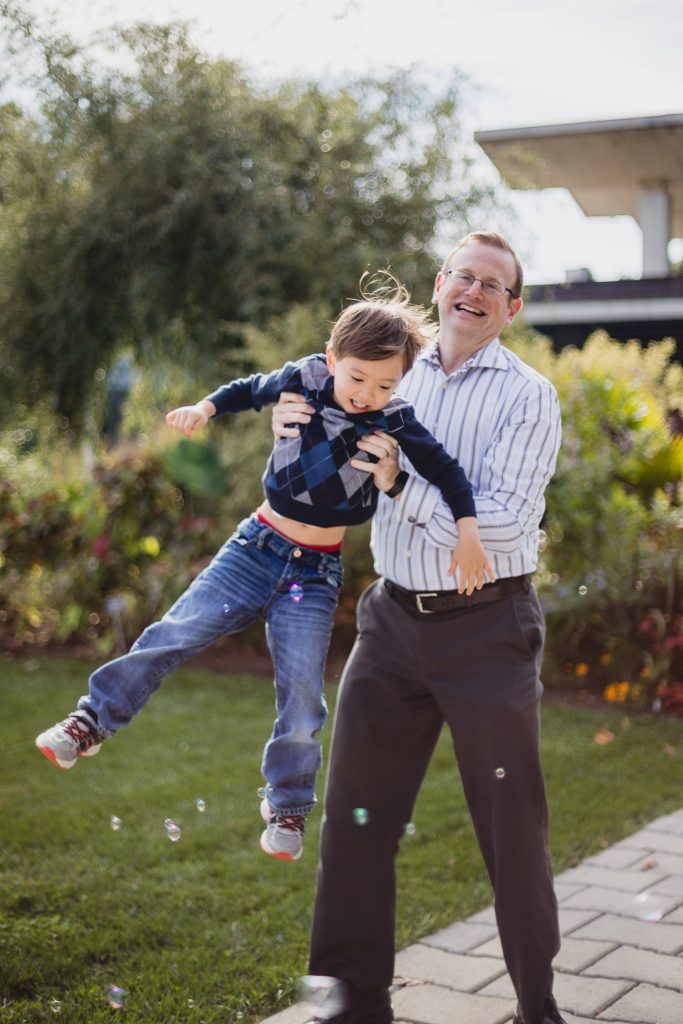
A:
(284, 836)
(75, 737)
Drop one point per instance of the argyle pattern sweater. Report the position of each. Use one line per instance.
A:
(308, 478)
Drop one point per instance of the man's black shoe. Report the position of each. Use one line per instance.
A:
(551, 1014)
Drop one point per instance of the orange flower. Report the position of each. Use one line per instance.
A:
(605, 659)
(616, 692)
(582, 669)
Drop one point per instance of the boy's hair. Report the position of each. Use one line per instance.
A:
(383, 323)
(498, 242)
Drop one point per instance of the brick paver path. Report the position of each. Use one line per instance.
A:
(621, 961)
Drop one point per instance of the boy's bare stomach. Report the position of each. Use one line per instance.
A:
(302, 533)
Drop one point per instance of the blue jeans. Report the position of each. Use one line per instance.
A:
(250, 577)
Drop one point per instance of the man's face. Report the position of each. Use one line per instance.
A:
(471, 314)
(364, 385)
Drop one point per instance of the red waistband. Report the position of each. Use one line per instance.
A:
(314, 547)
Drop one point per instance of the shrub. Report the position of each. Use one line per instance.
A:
(611, 571)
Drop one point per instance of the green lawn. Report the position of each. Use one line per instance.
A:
(208, 929)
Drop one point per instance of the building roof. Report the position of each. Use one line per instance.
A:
(605, 165)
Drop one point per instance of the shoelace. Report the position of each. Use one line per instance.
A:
(291, 822)
(80, 733)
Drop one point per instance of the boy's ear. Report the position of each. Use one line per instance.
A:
(331, 361)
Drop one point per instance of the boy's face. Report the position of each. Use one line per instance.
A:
(364, 385)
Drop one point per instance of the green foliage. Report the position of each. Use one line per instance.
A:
(97, 560)
(178, 199)
(208, 928)
(611, 573)
(195, 465)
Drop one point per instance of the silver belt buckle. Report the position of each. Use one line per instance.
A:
(418, 602)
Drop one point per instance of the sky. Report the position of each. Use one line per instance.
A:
(528, 62)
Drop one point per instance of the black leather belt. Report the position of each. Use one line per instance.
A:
(439, 601)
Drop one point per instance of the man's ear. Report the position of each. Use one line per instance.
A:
(331, 361)
(438, 283)
(513, 309)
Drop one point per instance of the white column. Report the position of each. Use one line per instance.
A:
(655, 222)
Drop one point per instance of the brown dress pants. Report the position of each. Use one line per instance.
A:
(477, 669)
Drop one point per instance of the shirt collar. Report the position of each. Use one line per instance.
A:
(490, 356)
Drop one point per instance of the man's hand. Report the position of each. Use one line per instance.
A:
(189, 418)
(385, 448)
(290, 408)
(470, 557)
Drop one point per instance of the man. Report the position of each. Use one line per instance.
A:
(426, 654)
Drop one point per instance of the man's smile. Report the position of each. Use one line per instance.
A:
(462, 307)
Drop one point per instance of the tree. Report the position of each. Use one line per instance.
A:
(176, 201)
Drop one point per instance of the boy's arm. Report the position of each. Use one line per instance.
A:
(246, 393)
(432, 461)
(255, 391)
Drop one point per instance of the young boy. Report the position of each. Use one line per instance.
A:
(283, 563)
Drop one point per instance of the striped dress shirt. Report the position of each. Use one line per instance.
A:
(501, 420)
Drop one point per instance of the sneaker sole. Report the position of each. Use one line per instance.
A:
(279, 856)
(49, 753)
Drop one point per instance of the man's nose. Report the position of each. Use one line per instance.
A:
(476, 283)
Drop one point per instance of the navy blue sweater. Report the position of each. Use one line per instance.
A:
(308, 478)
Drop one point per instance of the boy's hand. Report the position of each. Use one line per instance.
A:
(385, 449)
(471, 558)
(189, 418)
(290, 408)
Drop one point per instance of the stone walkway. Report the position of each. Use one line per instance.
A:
(621, 917)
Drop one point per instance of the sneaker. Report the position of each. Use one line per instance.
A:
(284, 836)
(75, 737)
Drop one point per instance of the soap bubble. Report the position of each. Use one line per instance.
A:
(296, 592)
(115, 823)
(55, 1006)
(361, 816)
(261, 792)
(226, 609)
(116, 997)
(327, 995)
(649, 907)
(200, 805)
(500, 773)
(410, 829)
(172, 830)
(583, 590)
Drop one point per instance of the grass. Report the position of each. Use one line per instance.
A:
(208, 929)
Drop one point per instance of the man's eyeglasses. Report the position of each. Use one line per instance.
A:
(465, 280)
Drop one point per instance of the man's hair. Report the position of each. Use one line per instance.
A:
(383, 323)
(498, 242)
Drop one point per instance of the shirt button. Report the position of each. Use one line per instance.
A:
(297, 552)
(411, 519)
